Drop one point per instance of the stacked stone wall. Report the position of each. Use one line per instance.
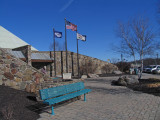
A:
(72, 63)
(19, 75)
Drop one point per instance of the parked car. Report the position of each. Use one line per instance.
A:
(151, 68)
(157, 71)
(145, 68)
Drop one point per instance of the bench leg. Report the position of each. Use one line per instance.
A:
(85, 97)
(52, 110)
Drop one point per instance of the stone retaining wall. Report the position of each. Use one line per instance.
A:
(19, 75)
(84, 61)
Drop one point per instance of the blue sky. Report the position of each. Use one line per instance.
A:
(33, 21)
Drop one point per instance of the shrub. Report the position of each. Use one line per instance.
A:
(123, 66)
(107, 69)
(87, 67)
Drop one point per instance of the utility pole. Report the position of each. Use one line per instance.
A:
(122, 61)
(157, 59)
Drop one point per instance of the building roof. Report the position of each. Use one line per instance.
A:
(17, 54)
(9, 40)
(35, 57)
(40, 56)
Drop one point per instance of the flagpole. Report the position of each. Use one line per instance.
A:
(66, 48)
(54, 52)
(77, 57)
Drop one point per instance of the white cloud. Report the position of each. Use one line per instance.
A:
(66, 5)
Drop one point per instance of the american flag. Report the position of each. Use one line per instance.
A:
(71, 26)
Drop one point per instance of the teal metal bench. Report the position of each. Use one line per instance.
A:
(58, 94)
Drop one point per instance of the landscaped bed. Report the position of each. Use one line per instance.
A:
(16, 104)
(151, 86)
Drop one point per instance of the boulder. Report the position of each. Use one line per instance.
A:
(132, 80)
(117, 72)
(121, 81)
(84, 76)
(125, 80)
(93, 75)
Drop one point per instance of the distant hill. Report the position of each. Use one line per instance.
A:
(149, 61)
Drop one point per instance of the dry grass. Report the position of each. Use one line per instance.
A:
(7, 112)
(151, 86)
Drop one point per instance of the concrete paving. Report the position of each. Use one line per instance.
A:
(107, 102)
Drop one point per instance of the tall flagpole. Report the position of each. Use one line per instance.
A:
(66, 48)
(77, 57)
(54, 52)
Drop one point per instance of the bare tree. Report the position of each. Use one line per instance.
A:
(144, 38)
(127, 44)
(137, 38)
(114, 60)
(58, 46)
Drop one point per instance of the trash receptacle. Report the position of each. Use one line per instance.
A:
(131, 70)
(136, 71)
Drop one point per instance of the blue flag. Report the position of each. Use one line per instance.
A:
(58, 34)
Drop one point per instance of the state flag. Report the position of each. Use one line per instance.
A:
(81, 37)
(58, 34)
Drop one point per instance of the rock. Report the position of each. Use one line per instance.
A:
(1, 61)
(19, 74)
(23, 85)
(117, 72)
(33, 87)
(13, 83)
(28, 88)
(93, 75)
(18, 79)
(36, 74)
(14, 71)
(84, 76)
(7, 83)
(1, 76)
(8, 57)
(16, 87)
(121, 81)
(41, 80)
(132, 81)
(28, 72)
(125, 80)
(27, 77)
(7, 61)
(9, 75)
(1, 82)
(22, 67)
(13, 65)
(114, 82)
(37, 80)
(6, 69)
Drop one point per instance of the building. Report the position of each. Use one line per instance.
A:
(39, 59)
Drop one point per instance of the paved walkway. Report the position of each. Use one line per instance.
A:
(107, 102)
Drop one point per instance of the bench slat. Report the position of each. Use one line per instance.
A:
(66, 97)
(60, 90)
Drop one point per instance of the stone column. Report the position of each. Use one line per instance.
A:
(28, 55)
(52, 64)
